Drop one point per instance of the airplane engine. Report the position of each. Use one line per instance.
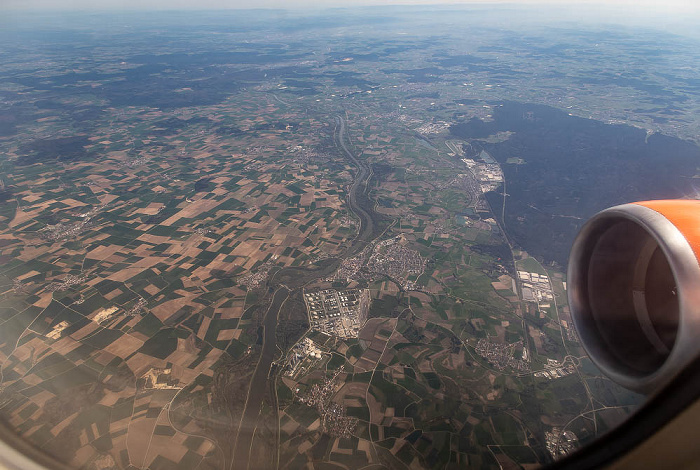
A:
(634, 290)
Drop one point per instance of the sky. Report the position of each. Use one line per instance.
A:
(670, 6)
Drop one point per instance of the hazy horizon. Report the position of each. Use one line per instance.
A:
(680, 6)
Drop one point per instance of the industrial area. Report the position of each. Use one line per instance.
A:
(338, 313)
(536, 287)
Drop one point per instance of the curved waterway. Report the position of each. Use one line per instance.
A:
(358, 200)
(258, 384)
(291, 278)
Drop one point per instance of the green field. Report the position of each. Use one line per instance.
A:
(530, 265)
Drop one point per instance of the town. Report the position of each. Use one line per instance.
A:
(394, 260)
(334, 416)
(391, 258)
(502, 355)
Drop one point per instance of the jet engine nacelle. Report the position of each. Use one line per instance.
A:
(634, 290)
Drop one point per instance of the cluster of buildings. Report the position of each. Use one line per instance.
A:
(570, 332)
(138, 307)
(254, 280)
(502, 356)
(536, 287)
(395, 260)
(336, 422)
(466, 182)
(134, 162)
(334, 416)
(555, 370)
(19, 287)
(338, 313)
(560, 443)
(66, 283)
(488, 172)
(62, 231)
(350, 267)
(303, 350)
(390, 258)
(432, 127)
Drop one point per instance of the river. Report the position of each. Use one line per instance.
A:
(293, 278)
(258, 384)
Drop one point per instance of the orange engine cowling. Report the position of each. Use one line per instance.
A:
(634, 290)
